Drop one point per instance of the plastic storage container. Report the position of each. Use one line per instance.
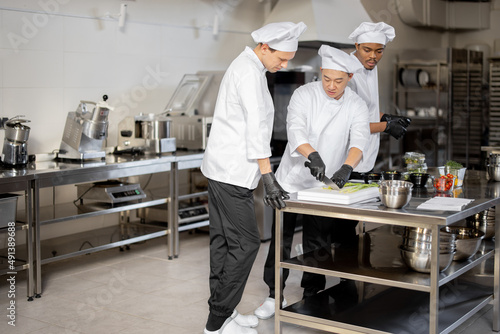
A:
(8, 209)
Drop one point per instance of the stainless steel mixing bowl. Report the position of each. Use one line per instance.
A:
(395, 193)
(493, 172)
(421, 260)
(467, 241)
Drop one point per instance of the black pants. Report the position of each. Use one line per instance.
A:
(289, 223)
(318, 235)
(234, 243)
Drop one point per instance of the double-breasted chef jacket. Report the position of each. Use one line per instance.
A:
(242, 126)
(332, 127)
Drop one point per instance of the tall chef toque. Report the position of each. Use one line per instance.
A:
(335, 59)
(369, 32)
(281, 36)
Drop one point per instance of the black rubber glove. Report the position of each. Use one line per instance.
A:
(341, 176)
(275, 195)
(316, 165)
(404, 121)
(395, 129)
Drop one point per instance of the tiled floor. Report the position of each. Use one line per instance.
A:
(140, 291)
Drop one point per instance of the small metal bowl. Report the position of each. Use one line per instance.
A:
(395, 194)
(467, 241)
(421, 260)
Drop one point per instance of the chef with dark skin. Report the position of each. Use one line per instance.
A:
(327, 130)
(236, 157)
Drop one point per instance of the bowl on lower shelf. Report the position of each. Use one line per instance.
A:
(421, 260)
(467, 241)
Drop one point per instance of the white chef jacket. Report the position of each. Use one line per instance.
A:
(332, 127)
(242, 124)
(365, 84)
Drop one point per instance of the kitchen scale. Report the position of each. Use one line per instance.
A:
(111, 191)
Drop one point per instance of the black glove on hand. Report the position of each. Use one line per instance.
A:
(342, 175)
(395, 129)
(404, 121)
(275, 195)
(316, 165)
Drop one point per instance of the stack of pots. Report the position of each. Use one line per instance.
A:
(493, 167)
(417, 246)
(483, 221)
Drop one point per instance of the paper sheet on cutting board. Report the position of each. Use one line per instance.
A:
(324, 194)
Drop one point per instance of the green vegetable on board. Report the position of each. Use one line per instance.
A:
(351, 187)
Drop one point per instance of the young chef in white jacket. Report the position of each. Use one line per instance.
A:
(236, 157)
(327, 129)
(370, 41)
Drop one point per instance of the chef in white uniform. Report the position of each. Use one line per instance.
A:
(370, 41)
(327, 130)
(236, 157)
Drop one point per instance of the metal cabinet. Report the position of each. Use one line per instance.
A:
(376, 294)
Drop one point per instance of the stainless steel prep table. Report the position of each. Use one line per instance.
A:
(56, 173)
(16, 180)
(400, 282)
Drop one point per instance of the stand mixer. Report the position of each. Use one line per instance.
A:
(85, 131)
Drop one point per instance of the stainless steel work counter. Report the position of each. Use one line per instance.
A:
(384, 311)
(52, 173)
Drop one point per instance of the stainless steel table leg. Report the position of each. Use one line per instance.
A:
(173, 231)
(278, 270)
(496, 284)
(38, 251)
(29, 239)
(434, 282)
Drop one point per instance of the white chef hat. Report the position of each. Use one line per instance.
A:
(369, 32)
(335, 59)
(281, 36)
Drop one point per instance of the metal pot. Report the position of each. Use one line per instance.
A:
(16, 131)
(155, 127)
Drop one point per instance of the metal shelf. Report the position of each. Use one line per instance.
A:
(380, 262)
(340, 308)
(98, 240)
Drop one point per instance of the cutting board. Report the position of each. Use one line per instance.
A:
(324, 194)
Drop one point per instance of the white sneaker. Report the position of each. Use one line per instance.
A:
(231, 327)
(245, 320)
(266, 309)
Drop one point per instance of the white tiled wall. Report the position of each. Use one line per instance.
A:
(48, 63)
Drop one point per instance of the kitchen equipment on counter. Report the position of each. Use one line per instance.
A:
(111, 191)
(483, 221)
(467, 241)
(146, 133)
(85, 131)
(325, 194)
(395, 193)
(191, 132)
(191, 108)
(15, 145)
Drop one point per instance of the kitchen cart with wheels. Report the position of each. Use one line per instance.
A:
(377, 293)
